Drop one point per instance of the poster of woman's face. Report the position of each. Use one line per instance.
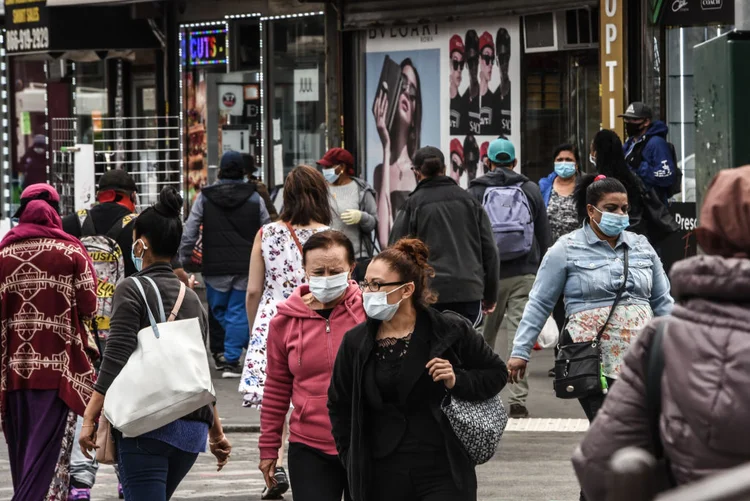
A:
(400, 122)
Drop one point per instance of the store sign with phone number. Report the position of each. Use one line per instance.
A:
(27, 26)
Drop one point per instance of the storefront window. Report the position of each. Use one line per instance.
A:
(91, 100)
(28, 127)
(298, 92)
(562, 106)
(680, 108)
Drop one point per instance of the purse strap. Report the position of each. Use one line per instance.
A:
(617, 297)
(151, 318)
(178, 304)
(294, 236)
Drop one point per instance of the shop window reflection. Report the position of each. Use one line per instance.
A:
(298, 125)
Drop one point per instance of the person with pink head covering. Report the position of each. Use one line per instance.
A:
(47, 289)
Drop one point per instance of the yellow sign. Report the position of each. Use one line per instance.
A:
(612, 63)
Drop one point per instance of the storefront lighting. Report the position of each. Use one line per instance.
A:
(290, 16)
(5, 131)
(208, 32)
(243, 16)
(226, 44)
(181, 123)
(199, 25)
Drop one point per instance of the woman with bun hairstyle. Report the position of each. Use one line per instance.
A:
(391, 375)
(303, 340)
(153, 464)
(587, 266)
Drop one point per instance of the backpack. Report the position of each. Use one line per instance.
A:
(511, 220)
(109, 265)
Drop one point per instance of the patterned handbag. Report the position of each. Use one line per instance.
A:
(478, 425)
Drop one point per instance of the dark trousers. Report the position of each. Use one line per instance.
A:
(316, 476)
(215, 334)
(472, 310)
(591, 406)
(415, 478)
(151, 469)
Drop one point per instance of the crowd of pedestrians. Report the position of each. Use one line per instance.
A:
(370, 347)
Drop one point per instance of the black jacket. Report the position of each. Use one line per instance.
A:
(231, 218)
(528, 264)
(129, 316)
(480, 374)
(458, 233)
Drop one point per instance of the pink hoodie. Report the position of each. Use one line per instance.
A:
(301, 351)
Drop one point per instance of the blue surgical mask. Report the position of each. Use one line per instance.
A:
(565, 170)
(377, 307)
(328, 289)
(138, 261)
(330, 175)
(612, 224)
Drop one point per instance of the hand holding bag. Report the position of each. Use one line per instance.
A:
(578, 365)
(166, 378)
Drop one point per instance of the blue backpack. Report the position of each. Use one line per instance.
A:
(511, 220)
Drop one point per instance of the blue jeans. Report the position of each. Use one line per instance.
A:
(151, 469)
(229, 309)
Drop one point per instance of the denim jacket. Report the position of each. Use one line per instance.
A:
(588, 271)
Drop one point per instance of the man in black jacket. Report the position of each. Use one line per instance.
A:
(231, 212)
(518, 274)
(457, 231)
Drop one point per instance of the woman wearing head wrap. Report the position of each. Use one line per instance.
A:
(47, 287)
(698, 418)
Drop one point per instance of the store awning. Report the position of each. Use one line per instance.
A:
(363, 14)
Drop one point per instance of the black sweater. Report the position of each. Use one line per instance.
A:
(129, 316)
(480, 374)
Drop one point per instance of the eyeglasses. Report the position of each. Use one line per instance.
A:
(375, 286)
(489, 59)
(458, 65)
(409, 90)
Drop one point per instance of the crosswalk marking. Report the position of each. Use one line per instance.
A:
(542, 425)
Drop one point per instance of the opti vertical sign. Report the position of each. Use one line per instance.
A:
(612, 64)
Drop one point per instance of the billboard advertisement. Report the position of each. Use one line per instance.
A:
(454, 86)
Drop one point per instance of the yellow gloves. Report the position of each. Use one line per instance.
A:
(351, 216)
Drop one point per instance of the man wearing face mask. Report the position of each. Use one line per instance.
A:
(647, 152)
(353, 207)
(231, 212)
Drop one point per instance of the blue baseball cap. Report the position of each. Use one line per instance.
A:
(501, 151)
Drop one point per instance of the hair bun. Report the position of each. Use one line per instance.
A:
(415, 249)
(170, 202)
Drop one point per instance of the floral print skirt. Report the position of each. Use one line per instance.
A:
(622, 330)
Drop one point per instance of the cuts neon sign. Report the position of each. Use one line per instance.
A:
(208, 47)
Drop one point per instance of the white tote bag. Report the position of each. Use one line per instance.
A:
(166, 378)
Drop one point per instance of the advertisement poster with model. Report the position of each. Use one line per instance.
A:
(455, 90)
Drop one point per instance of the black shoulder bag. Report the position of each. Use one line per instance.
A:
(578, 365)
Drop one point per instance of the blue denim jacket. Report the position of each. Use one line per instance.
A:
(588, 271)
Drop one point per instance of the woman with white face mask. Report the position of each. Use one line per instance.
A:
(391, 375)
(303, 340)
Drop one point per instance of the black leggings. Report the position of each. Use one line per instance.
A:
(593, 403)
(423, 478)
(316, 476)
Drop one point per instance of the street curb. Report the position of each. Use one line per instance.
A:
(240, 428)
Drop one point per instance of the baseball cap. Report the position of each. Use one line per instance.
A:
(486, 41)
(336, 156)
(456, 44)
(457, 148)
(501, 151)
(638, 110)
(483, 149)
(423, 154)
(117, 179)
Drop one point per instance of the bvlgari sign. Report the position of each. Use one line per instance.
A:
(697, 12)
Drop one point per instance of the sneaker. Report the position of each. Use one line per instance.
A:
(75, 494)
(551, 372)
(219, 361)
(518, 411)
(232, 370)
(282, 485)
(120, 492)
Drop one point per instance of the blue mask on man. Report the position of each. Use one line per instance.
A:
(565, 170)
(612, 224)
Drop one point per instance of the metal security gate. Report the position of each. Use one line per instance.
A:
(148, 148)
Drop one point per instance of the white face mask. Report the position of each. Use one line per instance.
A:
(377, 307)
(328, 289)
